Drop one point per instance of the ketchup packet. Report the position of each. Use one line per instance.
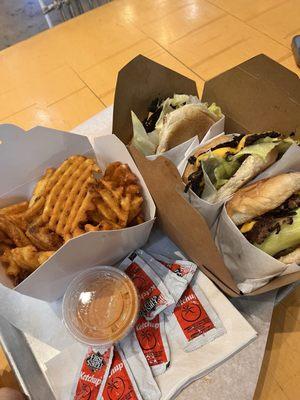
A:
(154, 296)
(139, 368)
(93, 374)
(175, 284)
(183, 268)
(152, 339)
(120, 384)
(194, 322)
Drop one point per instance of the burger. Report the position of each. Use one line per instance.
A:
(267, 213)
(218, 169)
(171, 122)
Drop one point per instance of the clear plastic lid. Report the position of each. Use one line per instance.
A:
(100, 306)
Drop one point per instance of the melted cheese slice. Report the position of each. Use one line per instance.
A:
(247, 226)
(222, 151)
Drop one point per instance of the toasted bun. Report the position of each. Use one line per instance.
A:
(262, 196)
(291, 258)
(190, 168)
(182, 124)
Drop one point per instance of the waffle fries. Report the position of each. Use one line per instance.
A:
(67, 202)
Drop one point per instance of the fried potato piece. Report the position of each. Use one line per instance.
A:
(12, 268)
(14, 233)
(69, 195)
(120, 195)
(103, 226)
(40, 188)
(29, 258)
(14, 209)
(43, 238)
(5, 239)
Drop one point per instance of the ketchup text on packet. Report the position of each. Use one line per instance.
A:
(149, 337)
(118, 385)
(91, 375)
(191, 315)
(150, 295)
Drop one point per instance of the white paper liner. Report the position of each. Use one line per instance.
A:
(210, 211)
(251, 267)
(139, 368)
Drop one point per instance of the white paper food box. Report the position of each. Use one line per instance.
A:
(24, 157)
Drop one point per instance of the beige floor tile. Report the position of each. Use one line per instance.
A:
(280, 23)
(246, 9)
(181, 22)
(14, 101)
(148, 11)
(53, 86)
(224, 43)
(102, 77)
(64, 114)
(76, 108)
(108, 99)
(33, 116)
(88, 42)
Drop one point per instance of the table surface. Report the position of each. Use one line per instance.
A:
(65, 75)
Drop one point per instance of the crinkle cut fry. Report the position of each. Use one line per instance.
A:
(40, 188)
(57, 182)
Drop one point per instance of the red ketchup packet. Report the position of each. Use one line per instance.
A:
(139, 368)
(183, 268)
(120, 384)
(194, 322)
(175, 284)
(93, 374)
(154, 296)
(152, 339)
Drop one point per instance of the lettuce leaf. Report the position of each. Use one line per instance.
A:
(259, 149)
(216, 110)
(289, 236)
(141, 140)
(218, 170)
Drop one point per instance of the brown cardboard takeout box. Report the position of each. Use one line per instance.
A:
(257, 95)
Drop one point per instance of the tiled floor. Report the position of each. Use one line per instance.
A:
(65, 75)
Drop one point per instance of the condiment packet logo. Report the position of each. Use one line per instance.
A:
(93, 374)
(175, 284)
(152, 338)
(154, 296)
(120, 384)
(194, 322)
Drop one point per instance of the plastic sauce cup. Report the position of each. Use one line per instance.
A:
(100, 306)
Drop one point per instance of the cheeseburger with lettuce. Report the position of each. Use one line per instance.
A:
(171, 122)
(267, 213)
(218, 169)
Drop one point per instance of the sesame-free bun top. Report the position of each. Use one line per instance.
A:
(182, 124)
(262, 196)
